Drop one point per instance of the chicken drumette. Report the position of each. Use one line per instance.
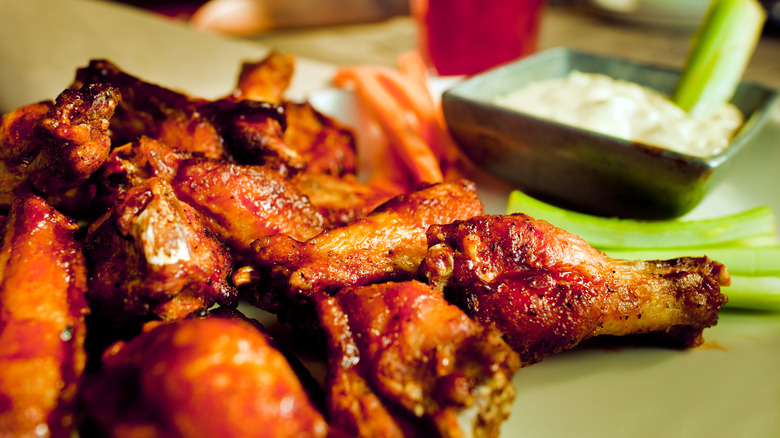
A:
(403, 362)
(214, 376)
(43, 279)
(547, 289)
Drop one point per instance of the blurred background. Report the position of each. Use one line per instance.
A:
(232, 16)
(345, 32)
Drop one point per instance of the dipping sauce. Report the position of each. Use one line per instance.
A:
(626, 110)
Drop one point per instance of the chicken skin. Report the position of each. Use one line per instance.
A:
(546, 289)
(403, 362)
(325, 145)
(53, 147)
(43, 279)
(150, 255)
(18, 148)
(225, 129)
(386, 245)
(322, 143)
(131, 164)
(266, 80)
(218, 376)
(244, 203)
(240, 203)
(340, 199)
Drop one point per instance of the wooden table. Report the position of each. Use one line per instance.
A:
(571, 26)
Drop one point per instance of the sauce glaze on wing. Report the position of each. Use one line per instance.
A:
(43, 279)
(214, 376)
(52, 148)
(386, 245)
(402, 361)
(547, 289)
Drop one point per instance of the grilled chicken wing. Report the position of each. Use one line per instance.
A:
(218, 376)
(250, 131)
(266, 80)
(42, 309)
(151, 254)
(52, 148)
(340, 199)
(388, 244)
(547, 289)
(323, 144)
(240, 203)
(132, 163)
(403, 362)
(244, 203)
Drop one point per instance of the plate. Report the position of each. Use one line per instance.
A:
(730, 386)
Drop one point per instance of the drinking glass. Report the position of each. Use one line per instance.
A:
(464, 37)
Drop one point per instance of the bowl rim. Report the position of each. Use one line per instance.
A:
(751, 124)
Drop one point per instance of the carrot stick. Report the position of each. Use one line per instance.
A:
(411, 64)
(401, 129)
(377, 159)
(412, 93)
(409, 91)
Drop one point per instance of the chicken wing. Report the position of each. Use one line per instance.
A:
(151, 255)
(266, 80)
(322, 142)
(340, 199)
(547, 289)
(244, 203)
(240, 203)
(388, 244)
(132, 163)
(18, 147)
(249, 131)
(403, 362)
(218, 376)
(42, 309)
(52, 148)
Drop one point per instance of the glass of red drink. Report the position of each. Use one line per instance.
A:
(464, 37)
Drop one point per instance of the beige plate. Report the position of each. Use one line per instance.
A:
(729, 387)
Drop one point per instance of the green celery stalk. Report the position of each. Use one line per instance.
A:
(740, 261)
(608, 232)
(720, 51)
(755, 293)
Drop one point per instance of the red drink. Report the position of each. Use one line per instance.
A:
(463, 37)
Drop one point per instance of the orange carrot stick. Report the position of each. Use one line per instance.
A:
(383, 169)
(401, 129)
(414, 95)
(411, 64)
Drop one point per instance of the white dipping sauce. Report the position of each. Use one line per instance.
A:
(625, 110)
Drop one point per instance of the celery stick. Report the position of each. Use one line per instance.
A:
(740, 261)
(720, 51)
(755, 293)
(604, 232)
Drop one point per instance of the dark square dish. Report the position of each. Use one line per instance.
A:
(581, 169)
